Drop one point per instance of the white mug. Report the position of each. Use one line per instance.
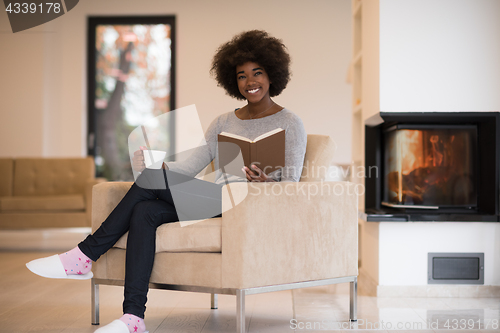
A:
(153, 159)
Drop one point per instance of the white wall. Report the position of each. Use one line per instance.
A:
(439, 55)
(43, 81)
(21, 93)
(404, 248)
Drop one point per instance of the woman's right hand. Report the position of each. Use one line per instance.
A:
(138, 160)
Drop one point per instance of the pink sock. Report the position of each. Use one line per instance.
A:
(75, 262)
(134, 323)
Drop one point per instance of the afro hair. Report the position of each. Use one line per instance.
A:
(255, 46)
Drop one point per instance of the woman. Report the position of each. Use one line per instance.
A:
(253, 66)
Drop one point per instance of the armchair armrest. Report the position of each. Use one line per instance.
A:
(88, 196)
(288, 232)
(105, 197)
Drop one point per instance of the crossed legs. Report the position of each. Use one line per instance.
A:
(148, 204)
(141, 212)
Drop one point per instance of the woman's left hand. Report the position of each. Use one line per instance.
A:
(256, 174)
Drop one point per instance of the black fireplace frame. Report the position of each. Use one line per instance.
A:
(488, 127)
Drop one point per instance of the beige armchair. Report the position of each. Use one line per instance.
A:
(281, 236)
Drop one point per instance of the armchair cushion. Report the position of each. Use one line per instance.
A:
(203, 236)
(181, 268)
(319, 155)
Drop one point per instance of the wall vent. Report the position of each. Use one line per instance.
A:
(455, 268)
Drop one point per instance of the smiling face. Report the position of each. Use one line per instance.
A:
(253, 82)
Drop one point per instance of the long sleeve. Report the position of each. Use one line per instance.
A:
(200, 157)
(192, 162)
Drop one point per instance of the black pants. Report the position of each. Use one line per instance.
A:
(148, 204)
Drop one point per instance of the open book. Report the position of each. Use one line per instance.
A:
(267, 151)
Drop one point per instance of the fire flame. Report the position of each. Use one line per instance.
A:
(428, 165)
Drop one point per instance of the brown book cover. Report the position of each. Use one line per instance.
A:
(267, 151)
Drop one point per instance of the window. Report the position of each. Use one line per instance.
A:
(131, 79)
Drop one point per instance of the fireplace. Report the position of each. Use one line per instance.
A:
(428, 167)
(432, 166)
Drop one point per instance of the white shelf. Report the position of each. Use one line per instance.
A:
(357, 8)
(357, 58)
(357, 160)
(357, 93)
(357, 110)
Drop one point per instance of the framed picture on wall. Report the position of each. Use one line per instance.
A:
(131, 79)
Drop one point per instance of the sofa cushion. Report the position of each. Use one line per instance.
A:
(52, 176)
(181, 268)
(6, 176)
(203, 236)
(42, 203)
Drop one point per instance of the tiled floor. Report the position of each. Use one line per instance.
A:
(327, 308)
(29, 303)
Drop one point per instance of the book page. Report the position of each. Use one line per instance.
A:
(235, 136)
(265, 135)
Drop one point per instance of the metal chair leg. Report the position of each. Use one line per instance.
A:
(213, 301)
(240, 310)
(95, 302)
(353, 306)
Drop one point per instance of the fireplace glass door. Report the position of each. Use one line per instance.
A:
(430, 167)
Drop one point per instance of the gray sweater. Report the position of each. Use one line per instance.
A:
(295, 145)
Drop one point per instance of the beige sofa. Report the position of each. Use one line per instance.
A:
(280, 236)
(46, 192)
